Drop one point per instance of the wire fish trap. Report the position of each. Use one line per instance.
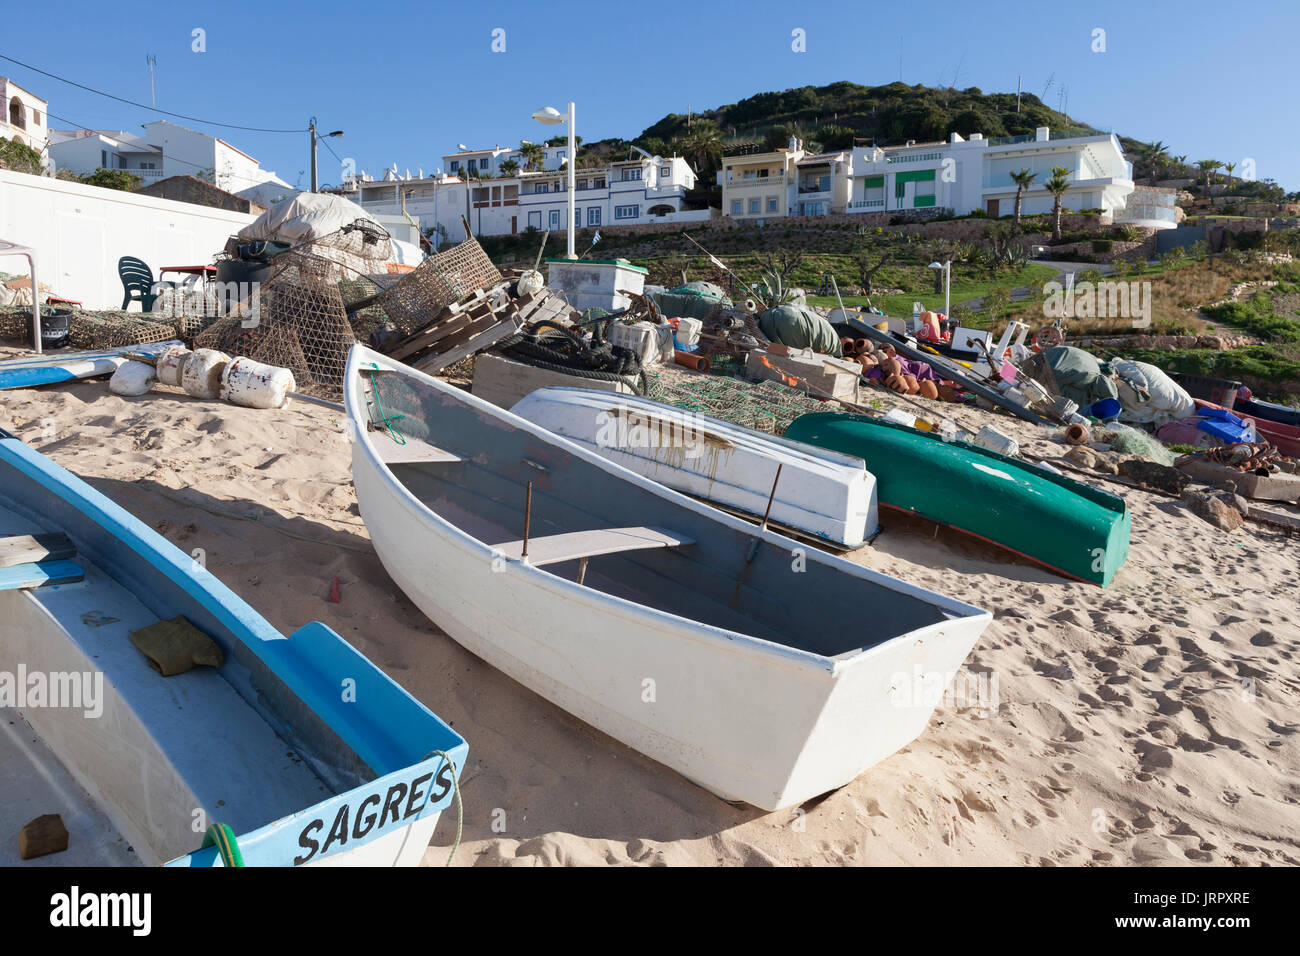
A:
(358, 248)
(298, 322)
(420, 296)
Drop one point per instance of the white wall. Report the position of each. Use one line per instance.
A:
(79, 232)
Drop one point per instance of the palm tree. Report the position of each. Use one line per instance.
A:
(1057, 186)
(703, 141)
(1229, 167)
(534, 155)
(1150, 154)
(1023, 180)
(508, 168)
(1208, 166)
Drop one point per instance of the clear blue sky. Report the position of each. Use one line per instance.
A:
(408, 81)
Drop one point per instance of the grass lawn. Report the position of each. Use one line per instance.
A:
(962, 290)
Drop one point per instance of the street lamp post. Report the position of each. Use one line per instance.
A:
(312, 130)
(552, 117)
(947, 283)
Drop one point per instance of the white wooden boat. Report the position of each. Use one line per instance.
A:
(824, 494)
(763, 670)
(300, 746)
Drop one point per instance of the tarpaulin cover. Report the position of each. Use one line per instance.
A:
(695, 300)
(800, 328)
(1073, 373)
(305, 217)
(1165, 399)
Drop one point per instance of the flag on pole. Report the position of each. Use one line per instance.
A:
(596, 238)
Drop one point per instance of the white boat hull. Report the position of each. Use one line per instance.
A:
(823, 494)
(746, 718)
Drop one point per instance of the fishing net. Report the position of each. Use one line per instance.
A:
(767, 406)
(418, 297)
(297, 321)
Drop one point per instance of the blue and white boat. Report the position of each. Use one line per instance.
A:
(295, 750)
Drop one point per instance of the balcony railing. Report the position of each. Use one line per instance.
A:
(867, 204)
(145, 174)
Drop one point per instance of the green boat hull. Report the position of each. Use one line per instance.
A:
(1065, 525)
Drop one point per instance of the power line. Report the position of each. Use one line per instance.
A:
(192, 119)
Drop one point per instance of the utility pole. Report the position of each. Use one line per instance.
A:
(1018, 94)
(312, 130)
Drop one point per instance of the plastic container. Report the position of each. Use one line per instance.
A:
(688, 331)
(254, 385)
(900, 417)
(56, 327)
(992, 439)
(1105, 409)
(654, 343)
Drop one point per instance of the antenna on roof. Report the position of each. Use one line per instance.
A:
(153, 98)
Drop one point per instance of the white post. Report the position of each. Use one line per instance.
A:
(573, 162)
(36, 304)
(947, 285)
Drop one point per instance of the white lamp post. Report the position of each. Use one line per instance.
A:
(947, 282)
(552, 117)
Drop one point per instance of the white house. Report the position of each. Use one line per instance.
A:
(23, 116)
(969, 174)
(486, 163)
(163, 151)
(625, 192)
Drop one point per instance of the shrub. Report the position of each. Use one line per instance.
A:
(1102, 245)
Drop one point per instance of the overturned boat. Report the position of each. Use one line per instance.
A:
(1067, 526)
(287, 751)
(762, 670)
(819, 493)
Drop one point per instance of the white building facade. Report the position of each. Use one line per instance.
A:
(966, 175)
(163, 151)
(23, 116)
(630, 192)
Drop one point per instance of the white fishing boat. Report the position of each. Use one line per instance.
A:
(766, 671)
(286, 751)
(826, 495)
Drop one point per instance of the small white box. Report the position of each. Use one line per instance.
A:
(964, 339)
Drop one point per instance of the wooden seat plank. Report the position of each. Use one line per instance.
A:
(575, 545)
(413, 452)
(38, 574)
(29, 548)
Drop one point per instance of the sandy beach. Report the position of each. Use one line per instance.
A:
(1153, 723)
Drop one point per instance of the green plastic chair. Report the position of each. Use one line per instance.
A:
(137, 283)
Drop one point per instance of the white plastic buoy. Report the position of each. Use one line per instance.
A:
(132, 378)
(531, 282)
(201, 374)
(254, 385)
(171, 361)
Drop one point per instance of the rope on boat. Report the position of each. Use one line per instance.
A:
(460, 810)
(223, 838)
(384, 419)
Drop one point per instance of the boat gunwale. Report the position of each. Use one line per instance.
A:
(956, 612)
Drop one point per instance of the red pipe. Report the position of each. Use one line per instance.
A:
(690, 360)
